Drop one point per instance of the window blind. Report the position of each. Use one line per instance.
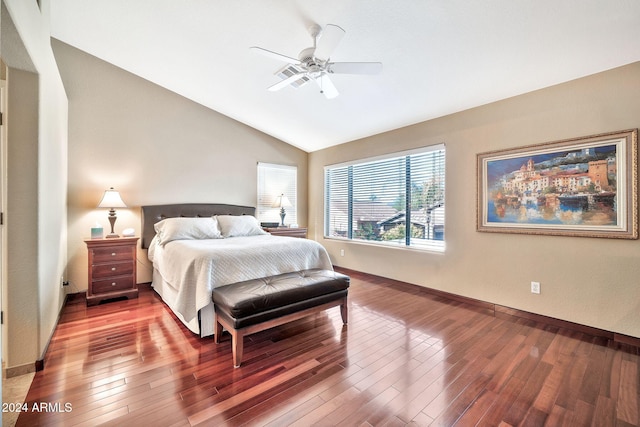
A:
(273, 180)
(392, 200)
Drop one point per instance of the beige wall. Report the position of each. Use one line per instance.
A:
(590, 281)
(36, 184)
(22, 218)
(155, 147)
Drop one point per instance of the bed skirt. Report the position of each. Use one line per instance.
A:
(202, 325)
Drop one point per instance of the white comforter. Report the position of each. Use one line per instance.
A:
(194, 267)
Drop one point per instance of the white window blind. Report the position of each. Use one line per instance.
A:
(395, 200)
(274, 180)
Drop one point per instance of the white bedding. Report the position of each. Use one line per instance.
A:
(192, 268)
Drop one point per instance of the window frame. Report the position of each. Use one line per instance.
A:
(266, 196)
(410, 243)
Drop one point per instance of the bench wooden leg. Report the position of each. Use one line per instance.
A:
(217, 332)
(344, 311)
(237, 340)
(237, 343)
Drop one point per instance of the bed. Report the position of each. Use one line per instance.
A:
(197, 247)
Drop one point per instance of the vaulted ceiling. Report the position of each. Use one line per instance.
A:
(438, 56)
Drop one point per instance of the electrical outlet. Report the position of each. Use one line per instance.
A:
(341, 252)
(535, 287)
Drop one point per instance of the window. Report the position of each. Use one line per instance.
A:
(274, 180)
(395, 200)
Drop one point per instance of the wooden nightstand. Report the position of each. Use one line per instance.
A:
(112, 269)
(287, 231)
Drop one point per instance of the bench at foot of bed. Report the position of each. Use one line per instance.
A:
(255, 305)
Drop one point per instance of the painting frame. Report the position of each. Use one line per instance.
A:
(579, 187)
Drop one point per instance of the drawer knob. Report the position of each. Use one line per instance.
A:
(113, 269)
(113, 284)
(113, 254)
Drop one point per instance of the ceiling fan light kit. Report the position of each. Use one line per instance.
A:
(313, 62)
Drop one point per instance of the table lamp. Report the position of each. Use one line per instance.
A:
(281, 202)
(111, 200)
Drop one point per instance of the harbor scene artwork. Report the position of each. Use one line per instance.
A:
(576, 187)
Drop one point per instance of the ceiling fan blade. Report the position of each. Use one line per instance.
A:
(286, 82)
(329, 39)
(326, 86)
(274, 55)
(354, 67)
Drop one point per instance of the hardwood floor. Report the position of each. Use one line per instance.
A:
(405, 358)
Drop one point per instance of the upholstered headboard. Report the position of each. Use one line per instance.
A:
(155, 213)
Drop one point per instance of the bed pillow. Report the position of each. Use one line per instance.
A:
(171, 229)
(239, 225)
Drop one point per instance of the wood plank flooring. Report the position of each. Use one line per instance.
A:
(405, 358)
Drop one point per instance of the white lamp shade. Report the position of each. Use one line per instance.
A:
(111, 199)
(281, 202)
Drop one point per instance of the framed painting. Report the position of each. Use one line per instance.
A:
(577, 187)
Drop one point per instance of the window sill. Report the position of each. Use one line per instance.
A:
(436, 248)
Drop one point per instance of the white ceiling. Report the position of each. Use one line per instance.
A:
(439, 56)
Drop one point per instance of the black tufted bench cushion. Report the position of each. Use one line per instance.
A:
(255, 305)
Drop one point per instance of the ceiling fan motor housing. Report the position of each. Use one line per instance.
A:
(309, 62)
(306, 56)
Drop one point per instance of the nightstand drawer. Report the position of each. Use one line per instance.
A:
(111, 270)
(113, 285)
(113, 253)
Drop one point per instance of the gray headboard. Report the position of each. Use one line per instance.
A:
(155, 213)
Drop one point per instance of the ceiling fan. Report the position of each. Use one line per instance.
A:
(313, 62)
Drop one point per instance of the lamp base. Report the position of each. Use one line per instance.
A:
(112, 221)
